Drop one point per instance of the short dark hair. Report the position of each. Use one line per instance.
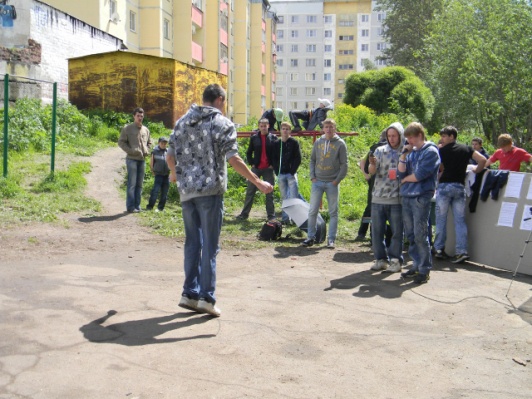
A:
(212, 92)
(449, 131)
(264, 120)
(138, 110)
(478, 140)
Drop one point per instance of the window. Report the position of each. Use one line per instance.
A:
(381, 46)
(363, 61)
(328, 33)
(280, 33)
(346, 23)
(132, 21)
(312, 19)
(309, 77)
(311, 48)
(279, 91)
(311, 33)
(381, 62)
(327, 48)
(294, 33)
(294, 77)
(327, 63)
(310, 91)
(327, 91)
(112, 8)
(293, 91)
(280, 77)
(281, 19)
(280, 48)
(293, 62)
(295, 48)
(381, 16)
(327, 76)
(340, 81)
(365, 18)
(346, 52)
(327, 19)
(380, 32)
(346, 66)
(295, 19)
(166, 29)
(346, 37)
(279, 62)
(364, 47)
(310, 62)
(365, 32)
(340, 95)
(294, 104)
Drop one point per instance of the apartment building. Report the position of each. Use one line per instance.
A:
(196, 32)
(319, 43)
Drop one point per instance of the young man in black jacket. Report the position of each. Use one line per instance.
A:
(260, 155)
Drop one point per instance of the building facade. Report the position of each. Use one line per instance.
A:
(319, 43)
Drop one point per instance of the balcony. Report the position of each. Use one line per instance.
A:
(197, 16)
(263, 69)
(223, 37)
(197, 53)
(224, 67)
(262, 90)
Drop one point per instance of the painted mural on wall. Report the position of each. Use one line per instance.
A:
(8, 14)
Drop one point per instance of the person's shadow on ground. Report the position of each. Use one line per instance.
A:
(108, 218)
(372, 283)
(141, 332)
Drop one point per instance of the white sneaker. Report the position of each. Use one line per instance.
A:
(207, 307)
(330, 244)
(395, 265)
(380, 264)
(188, 303)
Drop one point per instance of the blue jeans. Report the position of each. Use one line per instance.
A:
(453, 195)
(380, 214)
(162, 184)
(135, 179)
(288, 189)
(202, 217)
(316, 194)
(267, 175)
(416, 211)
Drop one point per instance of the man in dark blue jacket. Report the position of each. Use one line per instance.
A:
(260, 155)
(310, 119)
(275, 117)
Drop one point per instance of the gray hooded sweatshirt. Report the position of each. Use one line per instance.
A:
(386, 187)
(328, 161)
(202, 141)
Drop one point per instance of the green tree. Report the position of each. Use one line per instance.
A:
(482, 66)
(405, 28)
(390, 90)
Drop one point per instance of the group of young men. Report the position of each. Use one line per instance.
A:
(406, 175)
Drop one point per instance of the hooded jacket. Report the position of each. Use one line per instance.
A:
(202, 141)
(386, 190)
(424, 164)
(328, 160)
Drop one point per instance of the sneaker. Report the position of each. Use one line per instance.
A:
(440, 254)
(296, 129)
(188, 303)
(207, 307)
(330, 244)
(380, 264)
(421, 278)
(137, 210)
(395, 266)
(460, 258)
(158, 210)
(308, 242)
(409, 274)
(360, 238)
(241, 217)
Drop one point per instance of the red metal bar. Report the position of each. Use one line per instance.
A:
(306, 133)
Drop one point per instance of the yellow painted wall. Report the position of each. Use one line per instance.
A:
(256, 60)
(241, 66)
(121, 81)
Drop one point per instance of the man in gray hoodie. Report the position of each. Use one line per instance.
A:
(328, 166)
(202, 141)
(386, 204)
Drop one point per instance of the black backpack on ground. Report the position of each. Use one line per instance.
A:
(271, 230)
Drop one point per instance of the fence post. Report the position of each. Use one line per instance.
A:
(54, 122)
(6, 120)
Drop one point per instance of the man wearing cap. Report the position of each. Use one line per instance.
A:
(161, 171)
(275, 117)
(310, 119)
(135, 141)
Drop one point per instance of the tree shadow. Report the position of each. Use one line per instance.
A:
(141, 332)
(109, 218)
(372, 284)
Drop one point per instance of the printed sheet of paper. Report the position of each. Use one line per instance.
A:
(507, 214)
(527, 214)
(513, 187)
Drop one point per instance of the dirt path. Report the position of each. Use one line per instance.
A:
(88, 309)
